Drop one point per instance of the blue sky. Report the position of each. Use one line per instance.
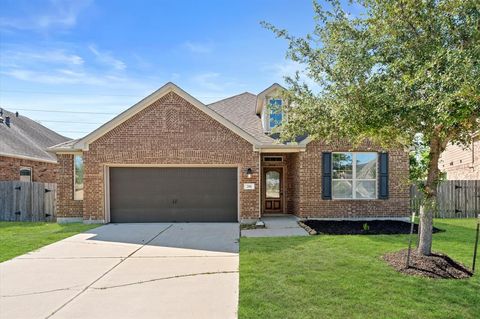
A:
(103, 56)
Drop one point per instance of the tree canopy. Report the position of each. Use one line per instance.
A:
(397, 70)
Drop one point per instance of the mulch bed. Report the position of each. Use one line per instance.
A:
(356, 227)
(436, 266)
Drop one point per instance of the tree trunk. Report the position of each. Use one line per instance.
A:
(429, 204)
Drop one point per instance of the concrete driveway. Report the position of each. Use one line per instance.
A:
(184, 270)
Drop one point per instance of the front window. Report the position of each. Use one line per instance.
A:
(354, 175)
(275, 114)
(25, 174)
(78, 177)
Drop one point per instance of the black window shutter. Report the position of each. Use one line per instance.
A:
(383, 176)
(327, 175)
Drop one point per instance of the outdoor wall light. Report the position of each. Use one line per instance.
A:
(249, 172)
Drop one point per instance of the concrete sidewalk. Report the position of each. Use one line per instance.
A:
(277, 226)
(127, 271)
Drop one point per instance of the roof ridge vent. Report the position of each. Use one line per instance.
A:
(7, 121)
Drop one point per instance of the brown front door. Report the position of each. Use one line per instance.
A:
(273, 189)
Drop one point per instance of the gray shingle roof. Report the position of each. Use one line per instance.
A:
(240, 110)
(27, 138)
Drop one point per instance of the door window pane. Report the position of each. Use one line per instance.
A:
(272, 180)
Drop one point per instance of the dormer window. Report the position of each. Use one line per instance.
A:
(275, 114)
(270, 107)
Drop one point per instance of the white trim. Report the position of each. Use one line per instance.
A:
(280, 149)
(34, 159)
(106, 206)
(83, 143)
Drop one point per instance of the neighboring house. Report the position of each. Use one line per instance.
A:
(172, 158)
(23, 154)
(462, 162)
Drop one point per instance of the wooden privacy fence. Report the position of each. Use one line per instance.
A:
(455, 199)
(27, 201)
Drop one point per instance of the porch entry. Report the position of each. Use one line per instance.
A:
(273, 190)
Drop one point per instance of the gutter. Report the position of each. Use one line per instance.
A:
(29, 158)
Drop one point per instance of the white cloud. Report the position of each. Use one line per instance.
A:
(288, 68)
(208, 80)
(106, 58)
(56, 15)
(199, 47)
(19, 56)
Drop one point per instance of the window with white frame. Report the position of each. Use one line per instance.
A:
(25, 174)
(78, 177)
(354, 175)
(273, 113)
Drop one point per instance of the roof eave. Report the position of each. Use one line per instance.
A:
(29, 158)
(280, 148)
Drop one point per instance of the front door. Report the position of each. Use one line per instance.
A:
(273, 189)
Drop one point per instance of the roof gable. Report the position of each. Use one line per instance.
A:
(272, 89)
(83, 143)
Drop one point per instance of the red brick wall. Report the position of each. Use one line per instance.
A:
(41, 171)
(293, 183)
(170, 131)
(66, 206)
(310, 185)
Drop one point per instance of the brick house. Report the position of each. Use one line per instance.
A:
(23, 145)
(172, 158)
(462, 162)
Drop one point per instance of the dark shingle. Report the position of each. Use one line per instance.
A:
(26, 137)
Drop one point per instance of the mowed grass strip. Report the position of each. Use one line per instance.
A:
(344, 277)
(20, 238)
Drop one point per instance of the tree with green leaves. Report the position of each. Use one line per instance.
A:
(396, 70)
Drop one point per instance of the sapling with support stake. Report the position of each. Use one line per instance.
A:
(476, 244)
(412, 225)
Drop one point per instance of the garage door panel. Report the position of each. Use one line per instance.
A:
(173, 194)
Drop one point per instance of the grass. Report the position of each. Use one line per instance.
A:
(344, 277)
(19, 238)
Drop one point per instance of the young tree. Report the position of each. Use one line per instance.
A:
(396, 70)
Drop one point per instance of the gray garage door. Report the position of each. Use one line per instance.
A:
(173, 195)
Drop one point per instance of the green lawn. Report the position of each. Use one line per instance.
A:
(19, 238)
(344, 277)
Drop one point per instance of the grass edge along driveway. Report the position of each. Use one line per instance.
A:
(18, 238)
(344, 277)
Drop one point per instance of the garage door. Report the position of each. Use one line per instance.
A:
(173, 194)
